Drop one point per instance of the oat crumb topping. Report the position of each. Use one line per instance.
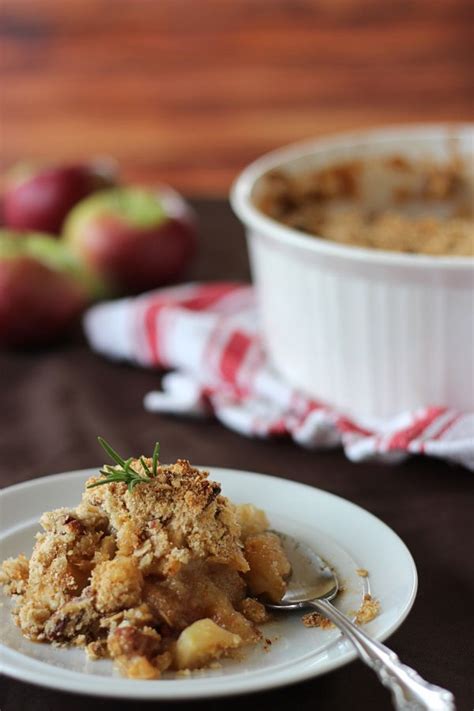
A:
(315, 619)
(368, 611)
(154, 568)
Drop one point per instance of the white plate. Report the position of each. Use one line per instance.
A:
(341, 532)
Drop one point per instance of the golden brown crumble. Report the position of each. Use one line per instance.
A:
(315, 619)
(254, 611)
(369, 609)
(14, 575)
(425, 207)
(157, 578)
(163, 577)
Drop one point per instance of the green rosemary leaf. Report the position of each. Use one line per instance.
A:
(133, 472)
(99, 483)
(123, 471)
(111, 452)
(156, 454)
(145, 465)
(107, 469)
(127, 465)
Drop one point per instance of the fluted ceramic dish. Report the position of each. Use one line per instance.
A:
(344, 534)
(372, 332)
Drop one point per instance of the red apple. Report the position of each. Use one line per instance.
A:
(134, 238)
(42, 289)
(39, 199)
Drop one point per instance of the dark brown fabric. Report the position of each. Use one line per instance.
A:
(55, 402)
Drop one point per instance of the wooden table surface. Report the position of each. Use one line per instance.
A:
(189, 91)
(56, 401)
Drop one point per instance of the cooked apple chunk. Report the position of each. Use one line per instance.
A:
(202, 642)
(251, 519)
(269, 566)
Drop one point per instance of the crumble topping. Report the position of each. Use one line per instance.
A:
(179, 516)
(159, 575)
(369, 609)
(315, 619)
(396, 204)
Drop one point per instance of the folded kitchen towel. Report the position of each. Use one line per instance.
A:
(207, 336)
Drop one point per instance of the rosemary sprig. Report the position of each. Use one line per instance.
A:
(156, 454)
(145, 465)
(123, 470)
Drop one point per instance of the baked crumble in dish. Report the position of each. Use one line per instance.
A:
(155, 569)
(391, 203)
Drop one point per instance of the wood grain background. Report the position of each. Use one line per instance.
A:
(188, 91)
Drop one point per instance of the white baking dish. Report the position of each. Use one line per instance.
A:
(372, 332)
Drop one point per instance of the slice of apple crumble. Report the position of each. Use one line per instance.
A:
(154, 569)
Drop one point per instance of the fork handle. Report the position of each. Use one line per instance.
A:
(409, 691)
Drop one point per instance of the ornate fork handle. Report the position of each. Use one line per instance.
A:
(409, 691)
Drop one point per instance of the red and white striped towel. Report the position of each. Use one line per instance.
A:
(207, 335)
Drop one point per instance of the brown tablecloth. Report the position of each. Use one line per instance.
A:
(55, 402)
